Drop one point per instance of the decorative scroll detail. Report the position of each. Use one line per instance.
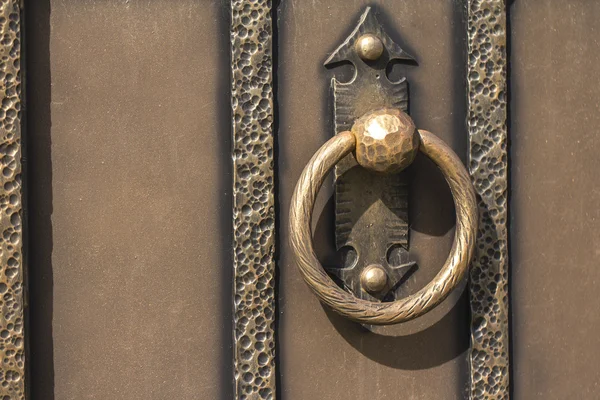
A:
(253, 199)
(12, 336)
(407, 308)
(489, 354)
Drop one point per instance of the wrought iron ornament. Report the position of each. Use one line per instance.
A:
(253, 199)
(12, 335)
(488, 164)
(366, 251)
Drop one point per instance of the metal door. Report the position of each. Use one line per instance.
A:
(149, 157)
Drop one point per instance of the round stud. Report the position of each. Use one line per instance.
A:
(374, 279)
(387, 140)
(369, 47)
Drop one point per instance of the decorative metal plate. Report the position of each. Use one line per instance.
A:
(383, 202)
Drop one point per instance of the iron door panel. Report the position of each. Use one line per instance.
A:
(130, 210)
(555, 225)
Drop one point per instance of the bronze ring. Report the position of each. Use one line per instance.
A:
(415, 305)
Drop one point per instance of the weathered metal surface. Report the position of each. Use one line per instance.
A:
(384, 201)
(451, 273)
(554, 199)
(253, 199)
(487, 114)
(12, 348)
(129, 200)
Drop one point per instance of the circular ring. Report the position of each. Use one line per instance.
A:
(417, 304)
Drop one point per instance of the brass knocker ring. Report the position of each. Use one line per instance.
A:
(385, 141)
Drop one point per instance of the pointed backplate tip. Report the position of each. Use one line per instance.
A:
(368, 24)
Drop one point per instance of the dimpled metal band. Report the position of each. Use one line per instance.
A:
(12, 339)
(253, 199)
(488, 164)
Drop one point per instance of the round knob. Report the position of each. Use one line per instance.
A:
(387, 140)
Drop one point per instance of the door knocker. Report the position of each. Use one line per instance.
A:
(375, 136)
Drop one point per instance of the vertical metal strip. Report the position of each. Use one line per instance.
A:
(12, 334)
(253, 199)
(488, 164)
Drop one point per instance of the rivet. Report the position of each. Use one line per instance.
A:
(369, 47)
(374, 278)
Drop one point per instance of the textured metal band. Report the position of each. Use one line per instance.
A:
(12, 348)
(253, 199)
(488, 163)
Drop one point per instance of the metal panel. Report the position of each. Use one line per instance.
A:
(555, 199)
(488, 164)
(254, 218)
(129, 199)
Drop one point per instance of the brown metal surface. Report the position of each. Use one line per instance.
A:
(12, 280)
(555, 199)
(321, 355)
(130, 185)
(253, 199)
(119, 278)
(90, 217)
(449, 276)
(488, 165)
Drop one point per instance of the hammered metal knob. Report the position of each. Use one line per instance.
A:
(387, 140)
